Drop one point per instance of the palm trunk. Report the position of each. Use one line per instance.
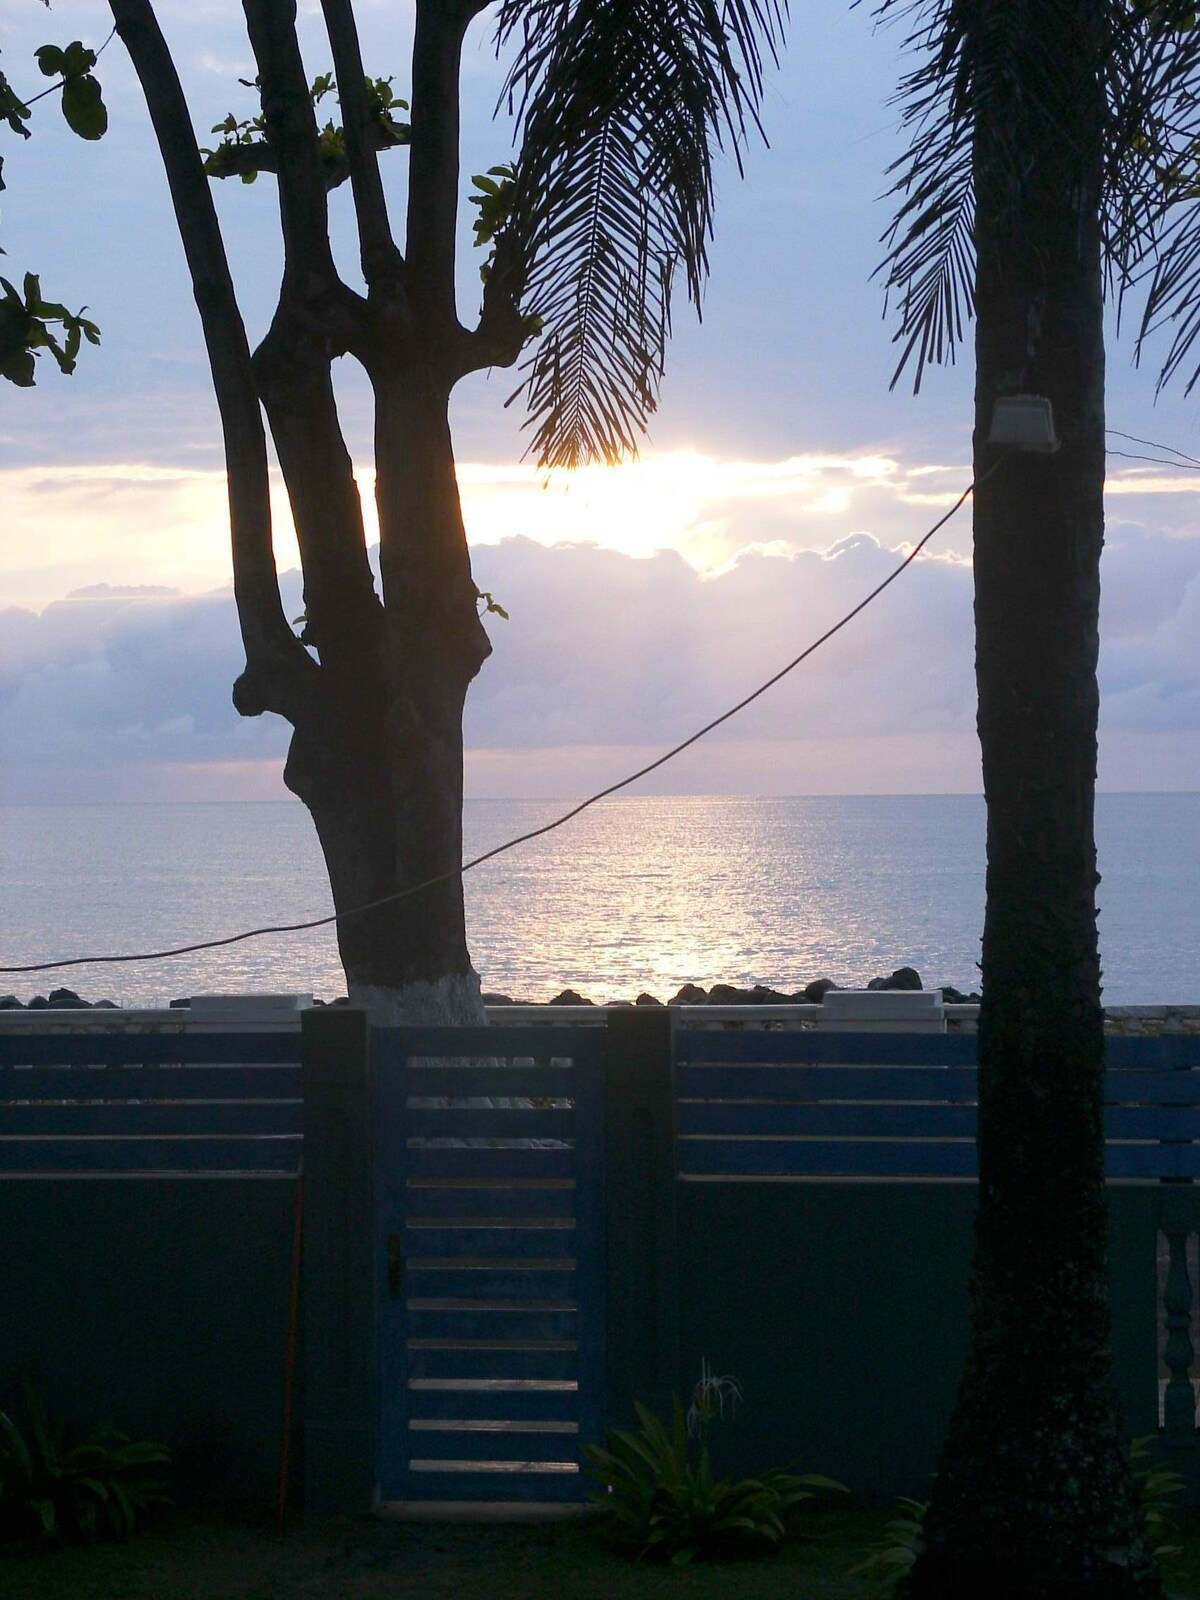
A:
(1033, 1495)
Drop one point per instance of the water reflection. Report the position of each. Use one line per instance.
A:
(641, 894)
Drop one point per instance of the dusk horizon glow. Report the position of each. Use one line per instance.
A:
(780, 479)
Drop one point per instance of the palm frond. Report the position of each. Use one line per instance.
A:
(929, 267)
(1017, 69)
(624, 105)
(1156, 232)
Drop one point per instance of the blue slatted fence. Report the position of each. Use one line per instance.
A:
(130, 1104)
(902, 1106)
(490, 1218)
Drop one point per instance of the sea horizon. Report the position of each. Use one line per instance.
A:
(573, 799)
(740, 889)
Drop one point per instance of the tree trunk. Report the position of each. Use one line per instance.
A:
(382, 815)
(380, 767)
(1033, 1495)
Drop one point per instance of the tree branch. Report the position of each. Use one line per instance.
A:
(364, 136)
(292, 140)
(433, 159)
(503, 329)
(319, 318)
(293, 369)
(279, 670)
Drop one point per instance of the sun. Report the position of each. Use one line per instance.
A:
(682, 500)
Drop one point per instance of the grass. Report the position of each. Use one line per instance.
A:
(193, 1556)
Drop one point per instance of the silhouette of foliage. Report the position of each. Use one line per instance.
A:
(969, 52)
(624, 107)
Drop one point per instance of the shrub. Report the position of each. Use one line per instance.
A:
(1158, 1489)
(53, 1491)
(659, 1489)
(893, 1556)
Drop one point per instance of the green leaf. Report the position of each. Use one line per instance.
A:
(77, 58)
(46, 1514)
(14, 1453)
(13, 110)
(51, 60)
(83, 107)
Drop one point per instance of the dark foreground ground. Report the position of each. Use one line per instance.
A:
(202, 1557)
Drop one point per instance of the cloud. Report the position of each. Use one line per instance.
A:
(71, 527)
(607, 661)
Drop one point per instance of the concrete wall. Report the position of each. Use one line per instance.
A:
(842, 1308)
(159, 1305)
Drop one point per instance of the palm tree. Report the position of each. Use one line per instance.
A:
(1028, 187)
(621, 108)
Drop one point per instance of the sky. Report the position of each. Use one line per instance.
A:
(782, 479)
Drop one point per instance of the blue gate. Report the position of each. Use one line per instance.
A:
(491, 1256)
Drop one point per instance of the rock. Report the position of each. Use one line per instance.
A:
(902, 978)
(955, 997)
(647, 1000)
(39, 1003)
(107, 1005)
(66, 1005)
(569, 998)
(727, 994)
(814, 993)
(761, 995)
(690, 995)
(9, 1002)
(180, 1005)
(62, 997)
(498, 1000)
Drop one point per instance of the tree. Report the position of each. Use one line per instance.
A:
(621, 108)
(1033, 177)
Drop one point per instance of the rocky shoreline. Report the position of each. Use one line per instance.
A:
(691, 994)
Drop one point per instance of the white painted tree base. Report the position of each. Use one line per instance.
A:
(450, 1002)
(455, 1001)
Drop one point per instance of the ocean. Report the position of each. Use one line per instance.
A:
(639, 894)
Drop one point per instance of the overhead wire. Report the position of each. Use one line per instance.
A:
(1158, 461)
(1184, 462)
(533, 833)
(1152, 444)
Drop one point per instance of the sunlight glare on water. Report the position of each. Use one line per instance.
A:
(636, 894)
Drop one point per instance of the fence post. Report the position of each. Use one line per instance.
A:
(643, 1268)
(339, 1266)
